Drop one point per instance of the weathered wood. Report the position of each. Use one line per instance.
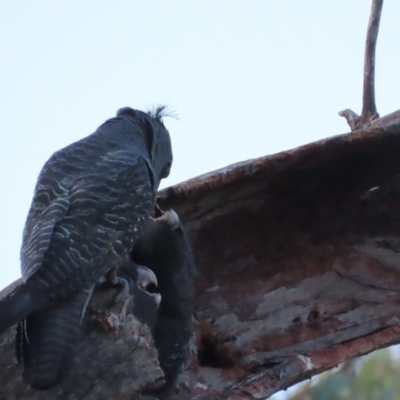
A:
(114, 358)
(299, 262)
(298, 258)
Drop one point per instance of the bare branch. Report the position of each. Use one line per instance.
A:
(369, 107)
(369, 112)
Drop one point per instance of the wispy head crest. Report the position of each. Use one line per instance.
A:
(160, 111)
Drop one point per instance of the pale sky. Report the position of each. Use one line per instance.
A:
(248, 78)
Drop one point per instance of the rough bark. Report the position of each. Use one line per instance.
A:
(298, 259)
(114, 358)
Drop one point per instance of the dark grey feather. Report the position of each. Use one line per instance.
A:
(91, 202)
(45, 340)
(146, 298)
(165, 248)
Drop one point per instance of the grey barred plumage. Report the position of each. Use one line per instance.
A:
(45, 339)
(90, 204)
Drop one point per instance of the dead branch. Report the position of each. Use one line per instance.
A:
(369, 108)
(298, 256)
(369, 111)
(298, 260)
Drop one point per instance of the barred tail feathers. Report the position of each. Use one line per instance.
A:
(45, 340)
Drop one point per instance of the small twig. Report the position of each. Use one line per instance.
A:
(351, 117)
(369, 111)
